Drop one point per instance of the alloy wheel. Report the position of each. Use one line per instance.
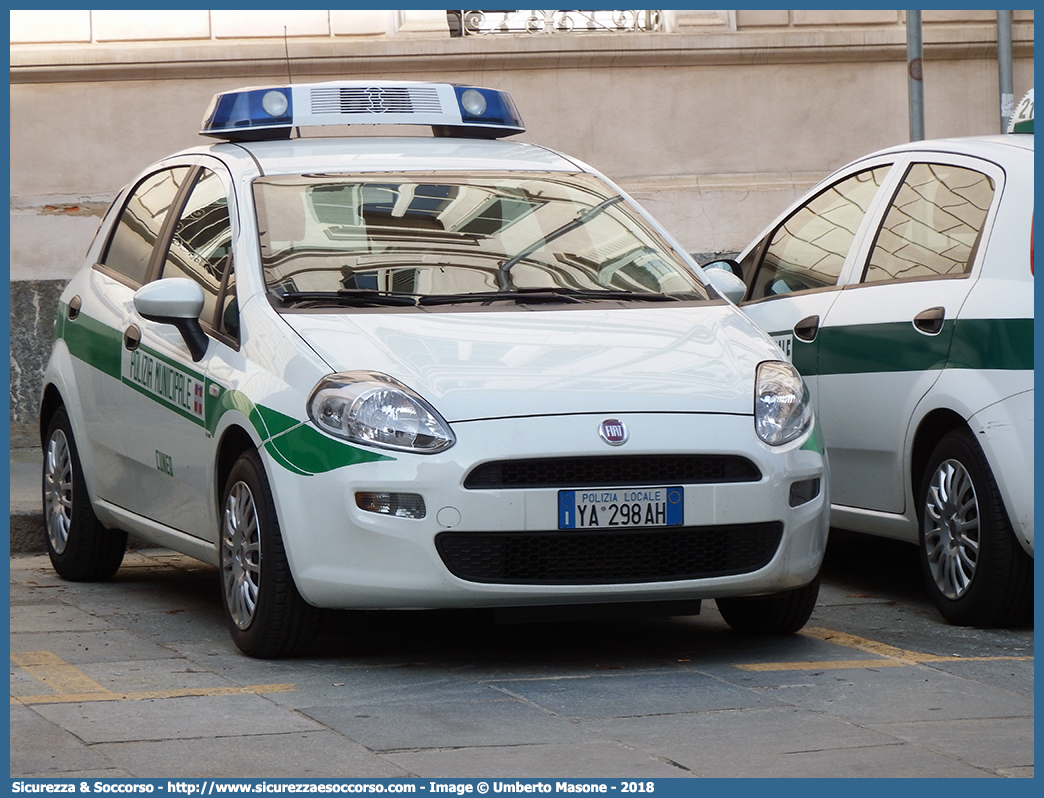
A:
(241, 555)
(951, 524)
(58, 490)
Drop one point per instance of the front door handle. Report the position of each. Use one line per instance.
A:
(930, 321)
(131, 338)
(807, 328)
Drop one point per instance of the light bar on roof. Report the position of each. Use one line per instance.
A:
(271, 112)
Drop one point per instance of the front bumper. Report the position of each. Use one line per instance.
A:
(344, 557)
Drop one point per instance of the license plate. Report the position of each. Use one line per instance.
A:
(614, 508)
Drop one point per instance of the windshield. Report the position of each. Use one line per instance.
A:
(439, 239)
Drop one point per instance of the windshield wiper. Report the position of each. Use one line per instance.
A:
(596, 295)
(503, 272)
(359, 297)
(521, 295)
(527, 295)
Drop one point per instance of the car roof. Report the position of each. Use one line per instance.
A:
(383, 154)
(984, 146)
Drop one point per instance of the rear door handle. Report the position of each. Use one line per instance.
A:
(930, 321)
(807, 328)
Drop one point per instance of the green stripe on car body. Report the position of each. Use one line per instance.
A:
(275, 423)
(992, 344)
(894, 346)
(92, 342)
(815, 440)
(293, 443)
(225, 401)
(307, 448)
(1001, 344)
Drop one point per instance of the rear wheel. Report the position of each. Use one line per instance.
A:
(80, 547)
(777, 614)
(266, 615)
(976, 571)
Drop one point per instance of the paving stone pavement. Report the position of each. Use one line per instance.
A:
(137, 677)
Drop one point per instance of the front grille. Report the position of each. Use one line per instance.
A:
(608, 557)
(375, 100)
(613, 471)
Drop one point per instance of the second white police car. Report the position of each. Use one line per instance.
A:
(419, 372)
(902, 288)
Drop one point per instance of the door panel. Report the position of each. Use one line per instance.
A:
(95, 335)
(873, 370)
(168, 448)
(887, 338)
(166, 405)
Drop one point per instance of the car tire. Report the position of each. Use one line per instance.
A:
(975, 569)
(265, 613)
(80, 547)
(777, 614)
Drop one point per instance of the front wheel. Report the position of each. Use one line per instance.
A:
(976, 571)
(777, 614)
(80, 547)
(266, 615)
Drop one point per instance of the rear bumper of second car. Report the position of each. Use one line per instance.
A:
(1005, 432)
(345, 557)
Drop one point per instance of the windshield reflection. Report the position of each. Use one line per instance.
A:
(328, 236)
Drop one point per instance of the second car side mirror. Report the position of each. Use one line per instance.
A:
(177, 301)
(723, 278)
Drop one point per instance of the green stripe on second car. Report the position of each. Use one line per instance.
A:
(1002, 344)
(895, 346)
(992, 344)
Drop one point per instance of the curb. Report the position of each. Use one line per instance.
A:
(27, 533)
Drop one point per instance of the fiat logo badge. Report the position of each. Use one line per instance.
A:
(613, 432)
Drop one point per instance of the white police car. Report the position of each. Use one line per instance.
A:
(902, 289)
(419, 372)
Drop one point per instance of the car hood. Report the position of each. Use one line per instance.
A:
(512, 363)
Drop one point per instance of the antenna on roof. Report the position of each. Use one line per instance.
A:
(289, 76)
(286, 49)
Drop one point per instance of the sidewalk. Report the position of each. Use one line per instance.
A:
(26, 504)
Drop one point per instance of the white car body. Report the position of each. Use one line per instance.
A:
(156, 430)
(888, 385)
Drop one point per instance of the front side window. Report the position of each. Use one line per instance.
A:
(201, 246)
(448, 239)
(933, 224)
(130, 247)
(809, 249)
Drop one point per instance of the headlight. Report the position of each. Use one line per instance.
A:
(376, 410)
(781, 403)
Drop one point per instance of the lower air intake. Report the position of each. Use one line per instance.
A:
(608, 557)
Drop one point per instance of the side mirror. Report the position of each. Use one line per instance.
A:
(725, 264)
(177, 301)
(722, 276)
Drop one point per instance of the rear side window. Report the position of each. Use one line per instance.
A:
(130, 248)
(933, 225)
(809, 249)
